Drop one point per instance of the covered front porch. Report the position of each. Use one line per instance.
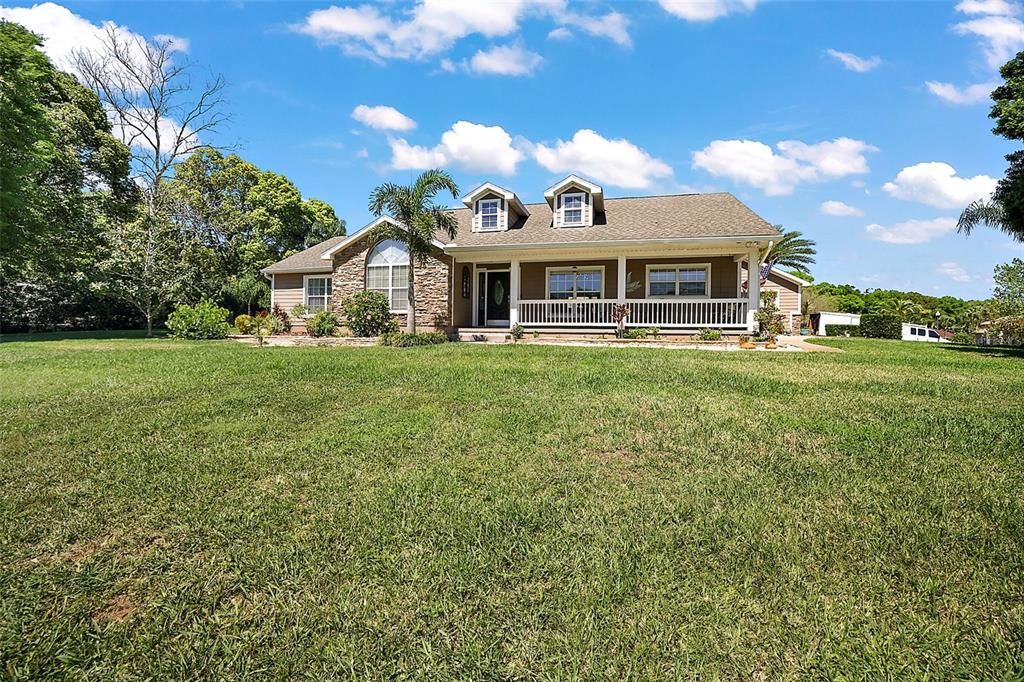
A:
(672, 289)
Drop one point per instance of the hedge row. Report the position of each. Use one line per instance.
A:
(842, 330)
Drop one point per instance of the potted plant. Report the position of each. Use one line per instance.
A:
(746, 343)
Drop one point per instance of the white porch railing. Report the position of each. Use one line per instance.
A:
(582, 312)
(665, 313)
(711, 312)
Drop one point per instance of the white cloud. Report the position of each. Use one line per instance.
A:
(448, 65)
(616, 162)
(507, 60)
(756, 164)
(1001, 36)
(972, 94)
(64, 32)
(560, 33)
(954, 271)
(362, 153)
(434, 26)
(937, 184)
(471, 146)
(838, 208)
(614, 26)
(911, 231)
(705, 10)
(987, 7)
(382, 118)
(854, 63)
(174, 43)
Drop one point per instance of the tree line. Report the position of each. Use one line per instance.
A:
(114, 203)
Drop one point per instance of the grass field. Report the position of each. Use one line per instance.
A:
(174, 509)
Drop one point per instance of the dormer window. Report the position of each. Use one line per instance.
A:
(572, 209)
(489, 214)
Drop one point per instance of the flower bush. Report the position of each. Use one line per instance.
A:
(368, 313)
(204, 320)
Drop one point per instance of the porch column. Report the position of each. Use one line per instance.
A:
(620, 294)
(513, 295)
(753, 287)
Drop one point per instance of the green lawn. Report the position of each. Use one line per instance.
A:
(174, 509)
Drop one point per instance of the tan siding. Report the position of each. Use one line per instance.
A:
(533, 276)
(288, 290)
(723, 274)
(787, 297)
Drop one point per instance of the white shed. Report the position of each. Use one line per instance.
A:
(820, 321)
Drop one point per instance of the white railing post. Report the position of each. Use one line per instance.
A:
(513, 298)
(753, 288)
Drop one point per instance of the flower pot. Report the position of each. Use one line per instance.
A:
(748, 345)
(771, 345)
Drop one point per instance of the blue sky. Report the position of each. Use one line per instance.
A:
(803, 110)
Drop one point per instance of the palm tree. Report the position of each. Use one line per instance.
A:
(903, 308)
(791, 251)
(415, 221)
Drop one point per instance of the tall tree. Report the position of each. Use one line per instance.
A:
(238, 218)
(163, 117)
(58, 190)
(1004, 210)
(415, 221)
(1008, 292)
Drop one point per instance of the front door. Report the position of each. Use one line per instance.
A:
(496, 303)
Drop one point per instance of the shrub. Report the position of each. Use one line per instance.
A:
(243, 323)
(324, 323)
(204, 320)
(407, 340)
(709, 335)
(880, 326)
(963, 337)
(842, 330)
(282, 317)
(518, 331)
(368, 313)
(642, 332)
(299, 310)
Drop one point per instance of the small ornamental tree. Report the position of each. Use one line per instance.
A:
(769, 320)
(368, 313)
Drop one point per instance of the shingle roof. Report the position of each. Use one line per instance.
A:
(678, 216)
(305, 261)
(683, 216)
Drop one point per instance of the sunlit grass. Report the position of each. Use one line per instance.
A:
(186, 510)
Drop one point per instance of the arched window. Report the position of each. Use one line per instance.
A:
(387, 271)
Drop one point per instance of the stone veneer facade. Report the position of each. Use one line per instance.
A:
(433, 282)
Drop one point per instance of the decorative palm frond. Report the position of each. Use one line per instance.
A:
(983, 212)
(791, 251)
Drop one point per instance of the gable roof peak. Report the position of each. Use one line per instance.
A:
(492, 188)
(592, 188)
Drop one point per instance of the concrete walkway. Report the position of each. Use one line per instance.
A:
(801, 343)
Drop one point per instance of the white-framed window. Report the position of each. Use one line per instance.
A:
(572, 208)
(489, 213)
(316, 292)
(676, 281)
(569, 283)
(387, 271)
